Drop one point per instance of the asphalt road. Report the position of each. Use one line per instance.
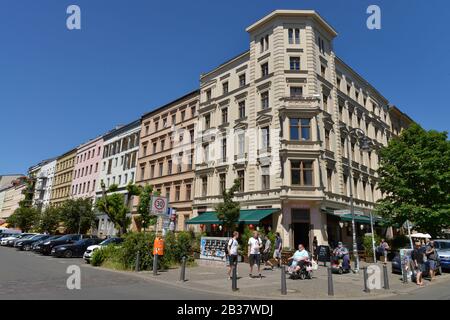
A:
(26, 275)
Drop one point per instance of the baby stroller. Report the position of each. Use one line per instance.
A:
(305, 272)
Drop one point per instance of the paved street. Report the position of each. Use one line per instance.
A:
(25, 275)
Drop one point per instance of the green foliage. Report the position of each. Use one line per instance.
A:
(228, 210)
(143, 209)
(415, 179)
(400, 242)
(77, 215)
(24, 218)
(367, 244)
(49, 220)
(113, 205)
(111, 253)
(245, 236)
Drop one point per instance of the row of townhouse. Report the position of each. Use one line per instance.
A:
(286, 118)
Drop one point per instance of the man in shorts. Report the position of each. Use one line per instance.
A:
(232, 253)
(266, 252)
(254, 253)
(432, 259)
(278, 247)
(418, 260)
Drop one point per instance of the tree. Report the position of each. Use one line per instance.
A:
(49, 220)
(228, 210)
(113, 205)
(77, 215)
(415, 179)
(24, 218)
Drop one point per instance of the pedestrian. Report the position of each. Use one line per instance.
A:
(232, 253)
(418, 260)
(432, 259)
(254, 253)
(383, 249)
(278, 248)
(266, 252)
(315, 245)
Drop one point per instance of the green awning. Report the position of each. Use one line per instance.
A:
(360, 219)
(246, 216)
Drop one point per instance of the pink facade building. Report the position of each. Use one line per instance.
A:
(87, 169)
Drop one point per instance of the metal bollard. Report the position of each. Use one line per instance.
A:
(138, 258)
(366, 288)
(234, 278)
(155, 265)
(330, 282)
(183, 270)
(405, 275)
(385, 277)
(283, 281)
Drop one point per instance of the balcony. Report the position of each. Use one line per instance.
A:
(300, 104)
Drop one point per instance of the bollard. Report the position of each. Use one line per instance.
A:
(283, 281)
(138, 258)
(155, 265)
(234, 278)
(330, 282)
(385, 277)
(405, 275)
(366, 288)
(183, 270)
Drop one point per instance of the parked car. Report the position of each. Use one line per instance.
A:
(397, 266)
(5, 240)
(23, 236)
(25, 244)
(72, 250)
(443, 251)
(33, 237)
(37, 246)
(90, 250)
(46, 247)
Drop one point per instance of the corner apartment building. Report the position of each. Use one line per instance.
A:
(12, 195)
(62, 184)
(118, 166)
(43, 175)
(167, 151)
(277, 118)
(87, 169)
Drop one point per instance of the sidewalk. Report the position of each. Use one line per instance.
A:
(347, 286)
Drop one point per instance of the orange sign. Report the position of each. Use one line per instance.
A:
(158, 246)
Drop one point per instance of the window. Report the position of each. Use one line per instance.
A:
(242, 80)
(266, 38)
(169, 167)
(348, 89)
(163, 142)
(265, 100)
(147, 130)
(265, 69)
(261, 45)
(294, 63)
(174, 119)
(242, 109)
(225, 87)
(241, 178)
(205, 153)
(152, 171)
(207, 121)
(325, 102)
(345, 184)
(193, 111)
(156, 125)
(301, 173)
(168, 193)
(265, 178)
(264, 43)
(224, 115)
(164, 123)
(179, 162)
(224, 149)
(321, 45)
(177, 193)
(338, 82)
(183, 115)
(208, 94)
(323, 71)
(329, 180)
(161, 167)
(145, 150)
(154, 147)
(327, 139)
(265, 135)
(294, 36)
(241, 144)
(300, 129)
(353, 152)
(204, 186)
(188, 192)
(296, 92)
(191, 161)
(96, 167)
(191, 134)
(222, 182)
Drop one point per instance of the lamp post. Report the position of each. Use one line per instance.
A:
(365, 147)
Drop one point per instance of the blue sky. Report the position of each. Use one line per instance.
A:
(59, 88)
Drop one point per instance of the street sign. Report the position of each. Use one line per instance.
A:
(345, 211)
(159, 205)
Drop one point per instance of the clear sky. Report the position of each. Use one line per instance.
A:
(59, 88)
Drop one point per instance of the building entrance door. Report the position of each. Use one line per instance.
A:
(301, 235)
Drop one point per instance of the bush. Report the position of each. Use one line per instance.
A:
(400, 242)
(109, 253)
(367, 243)
(142, 242)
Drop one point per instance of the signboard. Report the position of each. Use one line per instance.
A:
(406, 263)
(213, 248)
(345, 211)
(159, 205)
(323, 254)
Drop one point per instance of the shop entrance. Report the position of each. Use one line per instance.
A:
(301, 235)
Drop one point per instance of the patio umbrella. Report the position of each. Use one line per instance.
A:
(420, 235)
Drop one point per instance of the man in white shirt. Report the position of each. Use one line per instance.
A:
(233, 246)
(254, 253)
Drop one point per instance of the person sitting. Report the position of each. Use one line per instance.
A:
(298, 259)
(341, 253)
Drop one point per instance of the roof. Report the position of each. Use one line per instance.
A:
(225, 63)
(192, 93)
(122, 129)
(294, 13)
